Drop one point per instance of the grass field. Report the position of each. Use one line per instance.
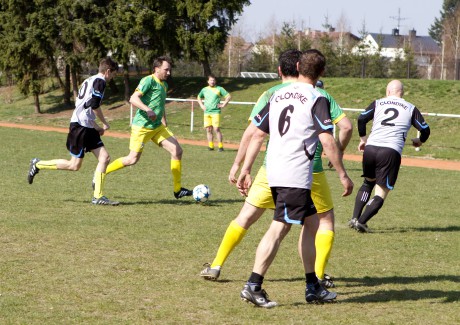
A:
(64, 261)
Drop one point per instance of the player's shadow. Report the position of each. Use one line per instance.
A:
(419, 229)
(402, 280)
(403, 295)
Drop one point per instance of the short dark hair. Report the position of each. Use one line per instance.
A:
(288, 62)
(312, 64)
(107, 64)
(158, 62)
(211, 76)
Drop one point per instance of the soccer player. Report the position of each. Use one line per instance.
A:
(149, 124)
(260, 196)
(84, 133)
(212, 94)
(295, 117)
(393, 117)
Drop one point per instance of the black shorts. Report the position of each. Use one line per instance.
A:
(292, 205)
(382, 164)
(82, 139)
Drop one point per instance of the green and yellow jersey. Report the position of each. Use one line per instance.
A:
(212, 97)
(154, 96)
(336, 114)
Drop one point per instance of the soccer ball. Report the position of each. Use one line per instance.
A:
(201, 193)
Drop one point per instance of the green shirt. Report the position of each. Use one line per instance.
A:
(212, 97)
(336, 114)
(154, 96)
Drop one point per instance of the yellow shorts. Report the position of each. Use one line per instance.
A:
(260, 194)
(140, 136)
(212, 120)
(320, 193)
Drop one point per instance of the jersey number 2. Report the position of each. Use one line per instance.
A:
(391, 118)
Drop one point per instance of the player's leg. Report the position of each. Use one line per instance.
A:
(103, 159)
(259, 198)
(234, 234)
(208, 128)
(166, 139)
(137, 141)
(387, 169)
(324, 239)
(76, 146)
(266, 251)
(364, 193)
(314, 291)
(216, 126)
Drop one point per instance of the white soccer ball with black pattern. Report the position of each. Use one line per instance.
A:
(201, 193)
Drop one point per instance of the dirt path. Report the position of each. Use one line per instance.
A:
(412, 162)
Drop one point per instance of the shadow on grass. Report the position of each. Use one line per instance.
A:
(183, 201)
(405, 295)
(420, 229)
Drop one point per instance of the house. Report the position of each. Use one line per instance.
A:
(427, 53)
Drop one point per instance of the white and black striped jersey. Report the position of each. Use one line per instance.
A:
(393, 117)
(294, 117)
(89, 98)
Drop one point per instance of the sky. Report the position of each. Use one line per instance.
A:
(379, 16)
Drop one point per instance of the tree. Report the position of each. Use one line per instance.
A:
(436, 30)
(27, 36)
(203, 26)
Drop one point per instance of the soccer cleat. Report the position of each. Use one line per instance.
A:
(103, 201)
(258, 298)
(319, 295)
(352, 223)
(210, 149)
(209, 273)
(221, 149)
(362, 227)
(328, 277)
(33, 170)
(326, 283)
(182, 192)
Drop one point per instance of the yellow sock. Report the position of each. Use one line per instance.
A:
(323, 242)
(47, 164)
(211, 144)
(176, 170)
(232, 237)
(115, 165)
(98, 179)
(221, 144)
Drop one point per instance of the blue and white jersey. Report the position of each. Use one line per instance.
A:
(393, 116)
(294, 117)
(89, 98)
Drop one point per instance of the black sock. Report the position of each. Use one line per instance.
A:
(371, 209)
(312, 279)
(362, 197)
(255, 281)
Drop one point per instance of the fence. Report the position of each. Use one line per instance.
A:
(192, 101)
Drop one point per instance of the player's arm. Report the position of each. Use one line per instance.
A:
(333, 154)
(244, 180)
(95, 102)
(240, 155)
(419, 123)
(136, 101)
(225, 102)
(261, 122)
(363, 119)
(199, 98)
(323, 124)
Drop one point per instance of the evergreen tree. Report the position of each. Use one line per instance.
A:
(203, 26)
(448, 10)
